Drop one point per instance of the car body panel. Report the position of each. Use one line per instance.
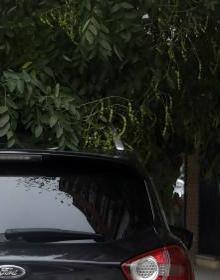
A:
(76, 261)
(84, 260)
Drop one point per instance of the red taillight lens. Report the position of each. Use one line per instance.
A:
(169, 263)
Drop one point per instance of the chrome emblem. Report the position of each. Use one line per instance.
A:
(11, 272)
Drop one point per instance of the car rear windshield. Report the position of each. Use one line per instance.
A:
(112, 204)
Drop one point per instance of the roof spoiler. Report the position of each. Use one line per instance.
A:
(9, 157)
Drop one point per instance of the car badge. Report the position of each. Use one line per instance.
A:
(11, 272)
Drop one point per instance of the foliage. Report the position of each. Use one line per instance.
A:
(35, 107)
(70, 70)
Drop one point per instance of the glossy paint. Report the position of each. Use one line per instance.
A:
(87, 260)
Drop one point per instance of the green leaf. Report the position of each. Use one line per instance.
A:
(89, 37)
(53, 121)
(3, 109)
(88, 5)
(49, 72)
(11, 142)
(117, 53)
(11, 85)
(38, 131)
(75, 112)
(11, 10)
(44, 118)
(59, 132)
(86, 25)
(57, 90)
(126, 36)
(10, 134)
(131, 15)
(103, 119)
(11, 104)
(4, 130)
(62, 142)
(105, 44)
(95, 22)
(65, 57)
(4, 119)
(42, 99)
(57, 102)
(26, 76)
(20, 86)
(126, 5)
(27, 118)
(28, 125)
(14, 116)
(71, 146)
(74, 139)
(26, 65)
(105, 29)
(92, 54)
(11, 75)
(29, 93)
(93, 29)
(115, 8)
(39, 85)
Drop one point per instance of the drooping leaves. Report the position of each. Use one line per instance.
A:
(148, 60)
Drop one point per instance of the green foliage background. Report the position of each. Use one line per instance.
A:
(72, 69)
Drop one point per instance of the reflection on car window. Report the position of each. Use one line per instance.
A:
(105, 204)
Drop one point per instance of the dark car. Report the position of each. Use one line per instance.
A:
(78, 216)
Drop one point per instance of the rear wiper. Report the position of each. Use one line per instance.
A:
(49, 235)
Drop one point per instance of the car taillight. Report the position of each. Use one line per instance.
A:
(169, 263)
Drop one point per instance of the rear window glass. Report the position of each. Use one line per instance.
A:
(111, 204)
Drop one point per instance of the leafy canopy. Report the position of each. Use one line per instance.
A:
(70, 70)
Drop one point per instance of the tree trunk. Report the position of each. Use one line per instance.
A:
(192, 197)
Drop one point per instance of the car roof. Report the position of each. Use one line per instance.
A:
(124, 159)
